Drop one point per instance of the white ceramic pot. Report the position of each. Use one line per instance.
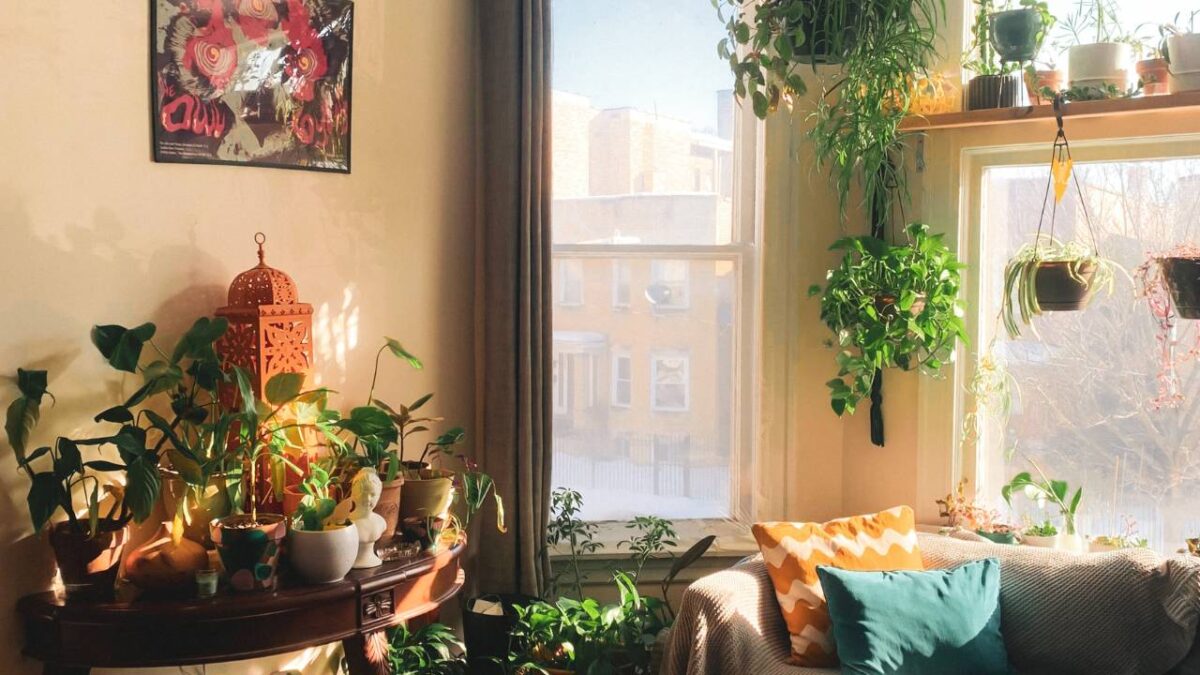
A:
(1074, 543)
(1184, 51)
(324, 556)
(1039, 542)
(1099, 64)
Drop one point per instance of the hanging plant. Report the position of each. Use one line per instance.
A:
(890, 307)
(1052, 276)
(881, 45)
(1170, 284)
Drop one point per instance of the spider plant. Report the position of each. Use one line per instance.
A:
(1024, 297)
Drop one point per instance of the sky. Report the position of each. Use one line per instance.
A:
(655, 55)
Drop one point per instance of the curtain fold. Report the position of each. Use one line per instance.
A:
(514, 338)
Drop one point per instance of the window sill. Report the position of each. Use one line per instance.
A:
(1079, 109)
(733, 540)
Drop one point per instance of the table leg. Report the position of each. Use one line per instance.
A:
(367, 654)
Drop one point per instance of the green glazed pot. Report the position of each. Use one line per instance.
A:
(998, 537)
(1015, 34)
(249, 550)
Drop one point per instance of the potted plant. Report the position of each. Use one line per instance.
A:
(1041, 535)
(1182, 51)
(323, 542)
(961, 512)
(1099, 48)
(1017, 33)
(890, 307)
(432, 650)
(1128, 538)
(1153, 71)
(1055, 492)
(1052, 276)
(996, 82)
(249, 543)
(1043, 83)
(1170, 284)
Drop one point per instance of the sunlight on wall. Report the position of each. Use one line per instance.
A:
(335, 334)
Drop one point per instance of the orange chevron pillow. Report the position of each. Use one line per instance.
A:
(880, 542)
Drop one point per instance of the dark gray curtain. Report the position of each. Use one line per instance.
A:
(513, 265)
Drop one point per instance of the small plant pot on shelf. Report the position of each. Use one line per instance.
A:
(1014, 34)
(88, 565)
(1099, 64)
(488, 622)
(426, 493)
(1154, 75)
(249, 549)
(1059, 289)
(998, 537)
(323, 556)
(389, 506)
(1183, 280)
(986, 92)
(1183, 51)
(1042, 79)
(1040, 542)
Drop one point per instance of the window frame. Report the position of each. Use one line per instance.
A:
(561, 295)
(620, 354)
(622, 283)
(744, 253)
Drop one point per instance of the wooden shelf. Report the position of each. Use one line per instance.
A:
(1109, 108)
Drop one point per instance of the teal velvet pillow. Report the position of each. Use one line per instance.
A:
(936, 622)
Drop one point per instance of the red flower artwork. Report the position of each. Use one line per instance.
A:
(257, 18)
(304, 58)
(211, 52)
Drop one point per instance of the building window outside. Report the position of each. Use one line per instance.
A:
(1088, 406)
(568, 283)
(669, 284)
(620, 286)
(622, 379)
(670, 382)
(649, 173)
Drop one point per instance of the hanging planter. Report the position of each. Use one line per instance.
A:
(1182, 276)
(890, 307)
(1170, 284)
(1049, 275)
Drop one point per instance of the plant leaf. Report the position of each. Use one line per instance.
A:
(399, 351)
(283, 387)
(120, 346)
(45, 496)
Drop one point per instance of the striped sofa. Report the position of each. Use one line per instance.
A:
(1129, 612)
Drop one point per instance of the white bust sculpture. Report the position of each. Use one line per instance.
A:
(365, 491)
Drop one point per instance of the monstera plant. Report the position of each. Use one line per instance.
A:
(890, 306)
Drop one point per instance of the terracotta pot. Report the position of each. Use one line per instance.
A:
(1041, 79)
(88, 565)
(1183, 280)
(249, 549)
(995, 91)
(214, 503)
(426, 493)
(323, 556)
(1155, 76)
(389, 505)
(1060, 291)
(161, 565)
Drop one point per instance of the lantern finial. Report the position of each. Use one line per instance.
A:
(260, 239)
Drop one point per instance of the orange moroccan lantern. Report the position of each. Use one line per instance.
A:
(269, 333)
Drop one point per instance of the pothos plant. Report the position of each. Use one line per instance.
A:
(890, 307)
(882, 45)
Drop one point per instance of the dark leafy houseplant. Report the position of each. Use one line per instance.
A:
(890, 307)
(882, 45)
(432, 650)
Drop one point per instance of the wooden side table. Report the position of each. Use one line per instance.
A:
(72, 636)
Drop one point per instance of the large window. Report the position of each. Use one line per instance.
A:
(1089, 409)
(651, 229)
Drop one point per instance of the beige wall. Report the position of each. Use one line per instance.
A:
(92, 231)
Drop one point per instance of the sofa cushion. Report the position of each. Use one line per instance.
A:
(936, 622)
(793, 551)
(1126, 612)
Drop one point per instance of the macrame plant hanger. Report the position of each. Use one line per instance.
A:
(1061, 167)
(880, 217)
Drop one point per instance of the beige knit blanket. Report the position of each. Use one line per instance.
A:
(1128, 612)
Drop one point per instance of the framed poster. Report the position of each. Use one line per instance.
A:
(252, 82)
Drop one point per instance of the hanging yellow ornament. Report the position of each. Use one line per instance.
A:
(1060, 169)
